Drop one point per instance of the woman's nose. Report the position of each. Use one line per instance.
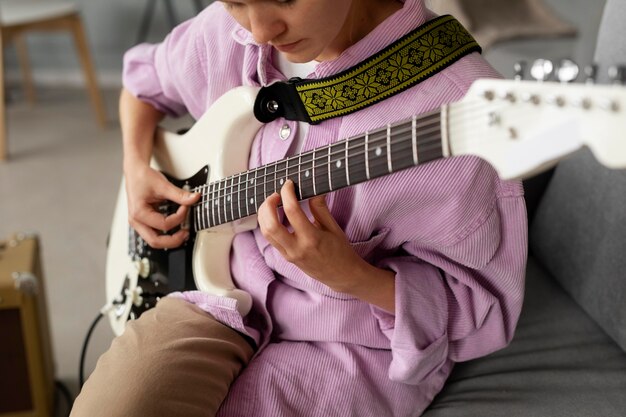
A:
(265, 25)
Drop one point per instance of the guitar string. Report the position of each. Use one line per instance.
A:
(224, 191)
(209, 219)
(427, 142)
(323, 159)
(226, 214)
(283, 173)
(338, 148)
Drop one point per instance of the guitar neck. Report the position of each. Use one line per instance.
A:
(322, 170)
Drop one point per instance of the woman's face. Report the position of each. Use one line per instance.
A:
(306, 30)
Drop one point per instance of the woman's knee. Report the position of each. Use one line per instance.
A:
(174, 354)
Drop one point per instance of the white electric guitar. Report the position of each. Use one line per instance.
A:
(519, 127)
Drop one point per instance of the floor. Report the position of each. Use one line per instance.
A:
(64, 173)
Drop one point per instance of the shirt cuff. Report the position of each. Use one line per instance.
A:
(417, 331)
(223, 309)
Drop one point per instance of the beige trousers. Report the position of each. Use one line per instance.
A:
(175, 360)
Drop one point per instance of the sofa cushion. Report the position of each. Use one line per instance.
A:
(579, 235)
(560, 363)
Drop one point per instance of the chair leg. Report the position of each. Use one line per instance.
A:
(27, 76)
(90, 74)
(3, 125)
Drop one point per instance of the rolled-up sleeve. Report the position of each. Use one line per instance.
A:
(457, 302)
(194, 65)
(159, 74)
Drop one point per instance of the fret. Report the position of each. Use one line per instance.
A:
(431, 145)
(233, 201)
(414, 140)
(270, 179)
(330, 182)
(292, 173)
(197, 218)
(224, 201)
(206, 208)
(259, 188)
(336, 165)
(300, 175)
(212, 203)
(265, 182)
(246, 187)
(281, 175)
(356, 151)
(307, 189)
(228, 197)
(445, 140)
(239, 198)
(321, 178)
(389, 164)
(202, 211)
(377, 154)
(218, 202)
(399, 148)
(275, 178)
(347, 159)
(367, 160)
(313, 170)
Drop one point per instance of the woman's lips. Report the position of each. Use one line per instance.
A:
(287, 47)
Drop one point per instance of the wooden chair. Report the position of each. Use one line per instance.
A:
(18, 17)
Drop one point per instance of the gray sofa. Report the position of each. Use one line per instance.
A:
(568, 357)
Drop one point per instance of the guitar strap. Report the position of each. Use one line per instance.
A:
(411, 59)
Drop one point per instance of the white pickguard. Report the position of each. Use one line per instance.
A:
(222, 140)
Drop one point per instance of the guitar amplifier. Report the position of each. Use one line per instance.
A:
(26, 367)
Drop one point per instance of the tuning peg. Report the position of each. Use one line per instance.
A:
(541, 69)
(519, 69)
(591, 73)
(617, 74)
(567, 71)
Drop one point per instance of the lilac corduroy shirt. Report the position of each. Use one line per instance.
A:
(451, 230)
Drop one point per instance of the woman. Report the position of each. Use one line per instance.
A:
(364, 299)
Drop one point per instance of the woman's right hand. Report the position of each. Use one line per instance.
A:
(146, 188)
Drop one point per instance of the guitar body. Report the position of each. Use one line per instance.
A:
(217, 146)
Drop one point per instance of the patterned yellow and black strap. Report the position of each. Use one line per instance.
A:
(415, 57)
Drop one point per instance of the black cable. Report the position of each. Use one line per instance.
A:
(81, 368)
(68, 397)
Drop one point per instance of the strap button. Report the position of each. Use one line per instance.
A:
(284, 132)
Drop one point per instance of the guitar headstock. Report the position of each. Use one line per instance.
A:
(523, 127)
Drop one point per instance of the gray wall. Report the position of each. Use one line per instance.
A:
(112, 27)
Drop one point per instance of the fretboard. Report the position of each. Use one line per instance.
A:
(341, 164)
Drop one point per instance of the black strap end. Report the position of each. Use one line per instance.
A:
(280, 99)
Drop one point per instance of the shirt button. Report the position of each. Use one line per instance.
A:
(284, 132)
